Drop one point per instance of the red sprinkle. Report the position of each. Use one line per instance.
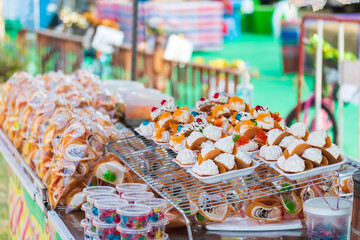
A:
(199, 120)
(153, 109)
(202, 99)
(258, 107)
(163, 102)
(216, 95)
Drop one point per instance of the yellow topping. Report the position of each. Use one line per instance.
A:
(177, 139)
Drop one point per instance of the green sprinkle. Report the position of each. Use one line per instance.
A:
(290, 206)
(236, 137)
(286, 187)
(254, 121)
(109, 176)
(200, 217)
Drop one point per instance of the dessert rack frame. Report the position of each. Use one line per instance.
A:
(154, 165)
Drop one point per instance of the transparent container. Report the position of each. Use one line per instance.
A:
(157, 229)
(105, 230)
(134, 216)
(89, 235)
(98, 190)
(90, 220)
(158, 207)
(107, 210)
(85, 224)
(325, 223)
(132, 197)
(91, 199)
(131, 234)
(85, 207)
(131, 187)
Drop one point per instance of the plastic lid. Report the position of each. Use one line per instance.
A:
(133, 210)
(131, 187)
(153, 202)
(98, 223)
(90, 215)
(159, 223)
(132, 231)
(91, 233)
(98, 190)
(85, 207)
(92, 198)
(318, 206)
(133, 196)
(110, 203)
(85, 223)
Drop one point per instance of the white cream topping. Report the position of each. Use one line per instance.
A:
(263, 109)
(313, 154)
(267, 124)
(226, 159)
(186, 157)
(244, 156)
(207, 144)
(156, 113)
(225, 144)
(147, 129)
(165, 137)
(193, 137)
(282, 123)
(333, 150)
(206, 168)
(292, 164)
(223, 111)
(212, 132)
(244, 128)
(164, 120)
(294, 144)
(222, 98)
(286, 141)
(271, 152)
(237, 106)
(169, 105)
(317, 138)
(183, 117)
(177, 146)
(298, 129)
(250, 146)
(273, 135)
(202, 103)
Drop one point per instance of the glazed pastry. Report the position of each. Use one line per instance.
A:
(203, 105)
(212, 132)
(236, 104)
(333, 150)
(206, 168)
(168, 105)
(270, 153)
(220, 98)
(249, 146)
(195, 140)
(319, 139)
(226, 144)
(226, 160)
(147, 128)
(244, 157)
(273, 135)
(290, 149)
(292, 165)
(208, 151)
(186, 157)
(183, 115)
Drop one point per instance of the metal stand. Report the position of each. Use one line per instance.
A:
(134, 40)
(156, 167)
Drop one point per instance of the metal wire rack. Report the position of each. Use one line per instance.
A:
(156, 167)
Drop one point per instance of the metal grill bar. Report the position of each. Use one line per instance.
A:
(155, 165)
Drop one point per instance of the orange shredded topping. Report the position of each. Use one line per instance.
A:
(218, 122)
(217, 109)
(235, 99)
(173, 127)
(261, 135)
(158, 133)
(276, 117)
(242, 141)
(261, 117)
(165, 115)
(249, 122)
(180, 111)
(177, 139)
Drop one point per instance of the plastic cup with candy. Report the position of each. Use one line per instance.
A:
(89, 235)
(131, 187)
(98, 190)
(85, 207)
(134, 216)
(85, 224)
(325, 222)
(107, 209)
(157, 206)
(91, 199)
(131, 234)
(106, 231)
(132, 197)
(157, 229)
(90, 220)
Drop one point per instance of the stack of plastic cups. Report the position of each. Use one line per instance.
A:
(144, 218)
(156, 218)
(93, 194)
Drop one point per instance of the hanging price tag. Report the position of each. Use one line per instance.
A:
(106, 38)
(178, 49)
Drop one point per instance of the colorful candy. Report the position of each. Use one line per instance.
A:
(157, 206)
(157, 230)
(91, 199)
(128, 234)
(107, 209)
(106, 231)
(133, 216)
